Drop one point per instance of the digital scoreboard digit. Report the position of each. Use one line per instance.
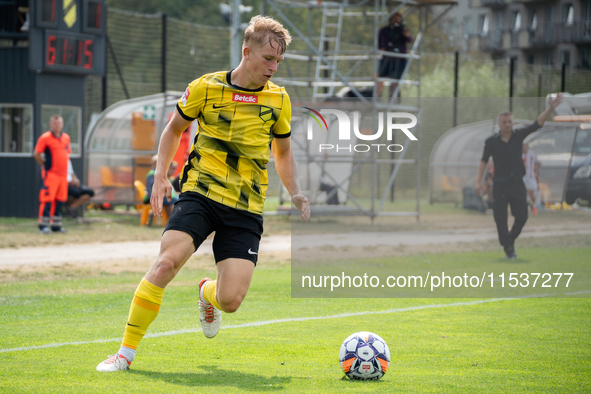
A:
(69, 52)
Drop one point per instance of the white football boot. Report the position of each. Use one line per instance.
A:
(114, 363)
(209, 316)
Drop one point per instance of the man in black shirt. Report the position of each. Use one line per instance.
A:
(392, 38)
(508, 188)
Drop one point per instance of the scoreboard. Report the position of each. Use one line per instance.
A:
(67, 36)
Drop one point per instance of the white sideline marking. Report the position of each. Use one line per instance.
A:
(297, 319)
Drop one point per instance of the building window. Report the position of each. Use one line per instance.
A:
(483, 25)
(72, 123)
(549, 28)
(569, 16)
(499, 24)
(16, 129)
(585, 61)
(516, 21)
(467, 27)
(566, 58)
(548, 59)
(453, 29)
(533, 20)
(531, 58)
(586, 18)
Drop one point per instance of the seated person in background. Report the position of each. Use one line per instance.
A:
(78, 193)
(168, 205)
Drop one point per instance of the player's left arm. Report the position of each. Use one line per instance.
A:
(541, 119)
(288, 173)
(552, 103)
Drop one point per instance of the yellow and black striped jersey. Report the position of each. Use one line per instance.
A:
(233, 143)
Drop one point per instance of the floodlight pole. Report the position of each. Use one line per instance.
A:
(236, 45)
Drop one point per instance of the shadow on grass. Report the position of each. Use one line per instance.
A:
(518, 260)
(214, 376)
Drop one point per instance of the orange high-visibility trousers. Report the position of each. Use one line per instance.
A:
(52, 196)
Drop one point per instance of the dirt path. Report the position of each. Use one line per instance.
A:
(83, 254)
(418, 238)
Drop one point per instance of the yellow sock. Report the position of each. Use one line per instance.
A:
(144, 309)
(209, 293)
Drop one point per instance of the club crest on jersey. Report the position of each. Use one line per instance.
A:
(185, 97)
(245, 98)
(265, 113)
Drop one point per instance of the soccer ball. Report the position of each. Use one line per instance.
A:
(364, 356)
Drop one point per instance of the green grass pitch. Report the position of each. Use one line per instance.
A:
(539, 345)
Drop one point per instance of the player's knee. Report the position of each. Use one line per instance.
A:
(165, 266)
(231, 304)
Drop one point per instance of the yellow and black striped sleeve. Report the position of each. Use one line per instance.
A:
(282, 128)
(191, 103)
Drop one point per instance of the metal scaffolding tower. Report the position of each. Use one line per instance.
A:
(329, 57)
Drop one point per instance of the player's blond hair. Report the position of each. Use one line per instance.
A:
(505, 113)
(263, 29)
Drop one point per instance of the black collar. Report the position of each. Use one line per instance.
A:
(229, 79)
(53, 134)
(498, 135)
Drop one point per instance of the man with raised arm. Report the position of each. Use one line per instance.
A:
(505, 147)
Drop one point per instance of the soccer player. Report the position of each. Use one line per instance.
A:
(241, 116)
(505, 147)
(52, 152)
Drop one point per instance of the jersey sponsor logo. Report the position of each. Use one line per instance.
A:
(185, 97)
(265, 113)
(245, 98)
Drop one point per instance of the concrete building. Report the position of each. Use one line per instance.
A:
(537, 32)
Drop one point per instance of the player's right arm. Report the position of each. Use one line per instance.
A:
(482, 166)
(38, 158)
(39, 149)
(479, 186)
(188, 109)
(169, 143)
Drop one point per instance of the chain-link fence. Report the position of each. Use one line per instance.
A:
(149, 53)
(143, 58)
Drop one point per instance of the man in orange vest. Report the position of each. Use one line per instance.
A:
(52, 152)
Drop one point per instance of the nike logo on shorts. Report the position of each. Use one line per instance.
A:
(219, 106)
(251, 252)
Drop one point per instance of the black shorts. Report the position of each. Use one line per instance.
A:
(237, 233)
(78, 192)
(391, 67)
